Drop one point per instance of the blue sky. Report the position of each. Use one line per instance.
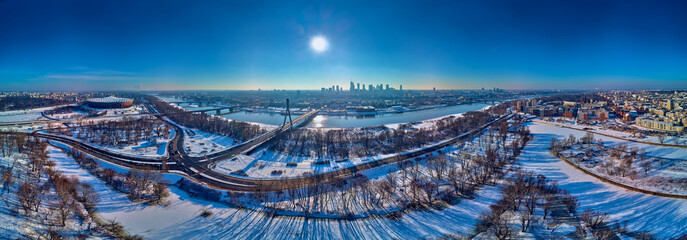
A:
(84, 45)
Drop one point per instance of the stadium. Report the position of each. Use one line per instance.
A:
(109, 102)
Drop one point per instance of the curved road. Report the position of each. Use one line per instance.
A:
(179, 162)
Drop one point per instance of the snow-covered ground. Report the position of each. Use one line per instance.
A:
(262, 164)
(23, 115)
(662, 175)
(199, 143)
(13, 226)
(152, 147)
(625, 135)
(181, 218)
(663, 217)
(144, 148)
(651, 150)
(67, 115)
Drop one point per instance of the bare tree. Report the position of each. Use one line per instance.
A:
(593, 219)
(588, 138)
(65, 208)
(29, 196)
(646, 165)
(570, 202)
(8, 176)
(661, 138)
(495, 224)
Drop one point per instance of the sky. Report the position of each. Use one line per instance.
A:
(163, 45)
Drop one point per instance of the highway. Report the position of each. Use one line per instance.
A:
(197, 168)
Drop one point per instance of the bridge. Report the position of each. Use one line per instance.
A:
(179, 162)
(201, 171)
(199, 167)
(218, 110)
(258, 142)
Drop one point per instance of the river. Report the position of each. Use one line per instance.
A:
(334, 121)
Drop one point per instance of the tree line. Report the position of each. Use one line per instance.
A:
(61, 204)
(240, 131)
(124, 131)
(352, 143)
(27, 102)
(429, 181)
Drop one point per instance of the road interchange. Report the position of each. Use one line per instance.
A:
(177, 161)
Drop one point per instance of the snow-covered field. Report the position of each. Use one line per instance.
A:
(624, 135)
(199, 143)
(23, 115)
(13, 226)
(262, 164)
(663, 217)
(152, 147)
(181, 218)
(144, 148)
(651, 150)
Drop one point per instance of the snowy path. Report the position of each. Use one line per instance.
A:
(663, 217)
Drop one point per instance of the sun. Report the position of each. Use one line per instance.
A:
(319, 44)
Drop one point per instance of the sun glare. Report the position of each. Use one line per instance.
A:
(319, 44)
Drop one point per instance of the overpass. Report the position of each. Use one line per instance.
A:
(251, 145)
(179, 162)
(243, 183)
(198, 168)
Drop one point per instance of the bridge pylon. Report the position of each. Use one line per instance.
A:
(288, 114)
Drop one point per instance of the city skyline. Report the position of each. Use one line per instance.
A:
(81, 45)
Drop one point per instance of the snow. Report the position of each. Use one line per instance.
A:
(199, 143)
(651, 150)
(13, 226)
(676, 157)
(603, 130)
(264, 162)
(23, 115)
(181, 218)
(663, 217)
(152, 147)
(240, 162)
(182, 221)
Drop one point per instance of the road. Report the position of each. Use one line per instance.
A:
(197, 168)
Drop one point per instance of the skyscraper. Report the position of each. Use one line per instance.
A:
(400, 88)
(669, 104)
(352, 86)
